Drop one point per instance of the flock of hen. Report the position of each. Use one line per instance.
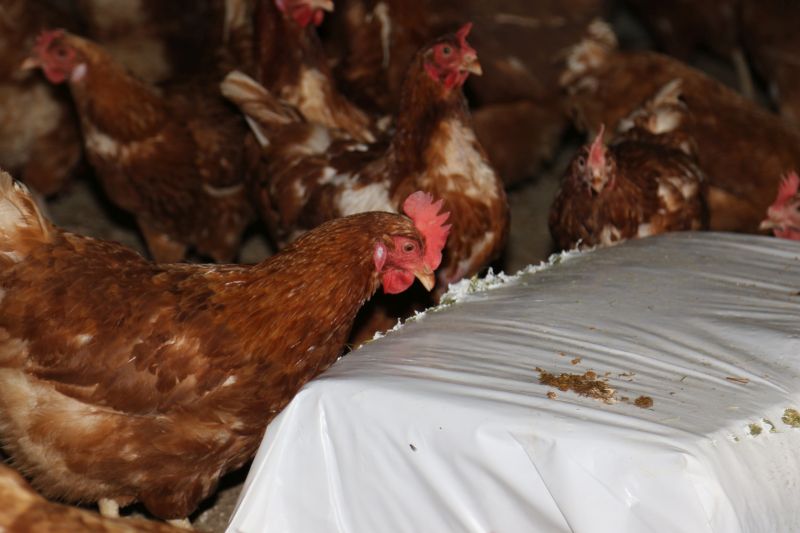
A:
(127, 380)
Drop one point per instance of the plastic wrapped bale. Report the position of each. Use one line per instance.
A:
(651, 386)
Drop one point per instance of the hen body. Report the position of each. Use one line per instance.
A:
(126, 380)
(657, 190)
(40, 137)
(293, 66)
(376, 42)
(175, 160)
(651, 182)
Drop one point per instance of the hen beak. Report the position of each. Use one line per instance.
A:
(426, 277)
(767, 224)
(597, 184)
(470, 64)
(597, 179)
(30, 63)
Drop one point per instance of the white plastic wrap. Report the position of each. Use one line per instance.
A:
(443, 425)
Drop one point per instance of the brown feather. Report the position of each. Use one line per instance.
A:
(293, 66)
(124, 379)
(175, 161)
(379, 40)
(24, 511)
(40, 137)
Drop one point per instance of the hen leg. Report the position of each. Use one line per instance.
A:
(162, 248)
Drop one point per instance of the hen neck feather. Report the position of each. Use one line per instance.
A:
(425, 104)
(116, 103)
(330, 268)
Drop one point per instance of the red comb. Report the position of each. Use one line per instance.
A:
(788, 187)
(462, 33)
(596, 152)
(45, 38)
(421, 208)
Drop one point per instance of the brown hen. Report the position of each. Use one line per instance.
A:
(124, 380)
(293, 66)
(645, 182)
(176, 161)
(23, 510)
(40, 138)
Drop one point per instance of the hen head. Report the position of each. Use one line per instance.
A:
(450, 59)
(305, 11)
(783, 216)
(401, 258)
(58, 59)
(595, 166)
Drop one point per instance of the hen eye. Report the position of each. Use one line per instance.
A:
(409, 247)
(581, 163)
(61, 52)
(446, 50)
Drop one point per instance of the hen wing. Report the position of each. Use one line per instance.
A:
(102, 325)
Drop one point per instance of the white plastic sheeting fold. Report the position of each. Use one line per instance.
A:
(443, 425)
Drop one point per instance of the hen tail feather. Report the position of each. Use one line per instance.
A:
(263, 111)
(22, 224)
